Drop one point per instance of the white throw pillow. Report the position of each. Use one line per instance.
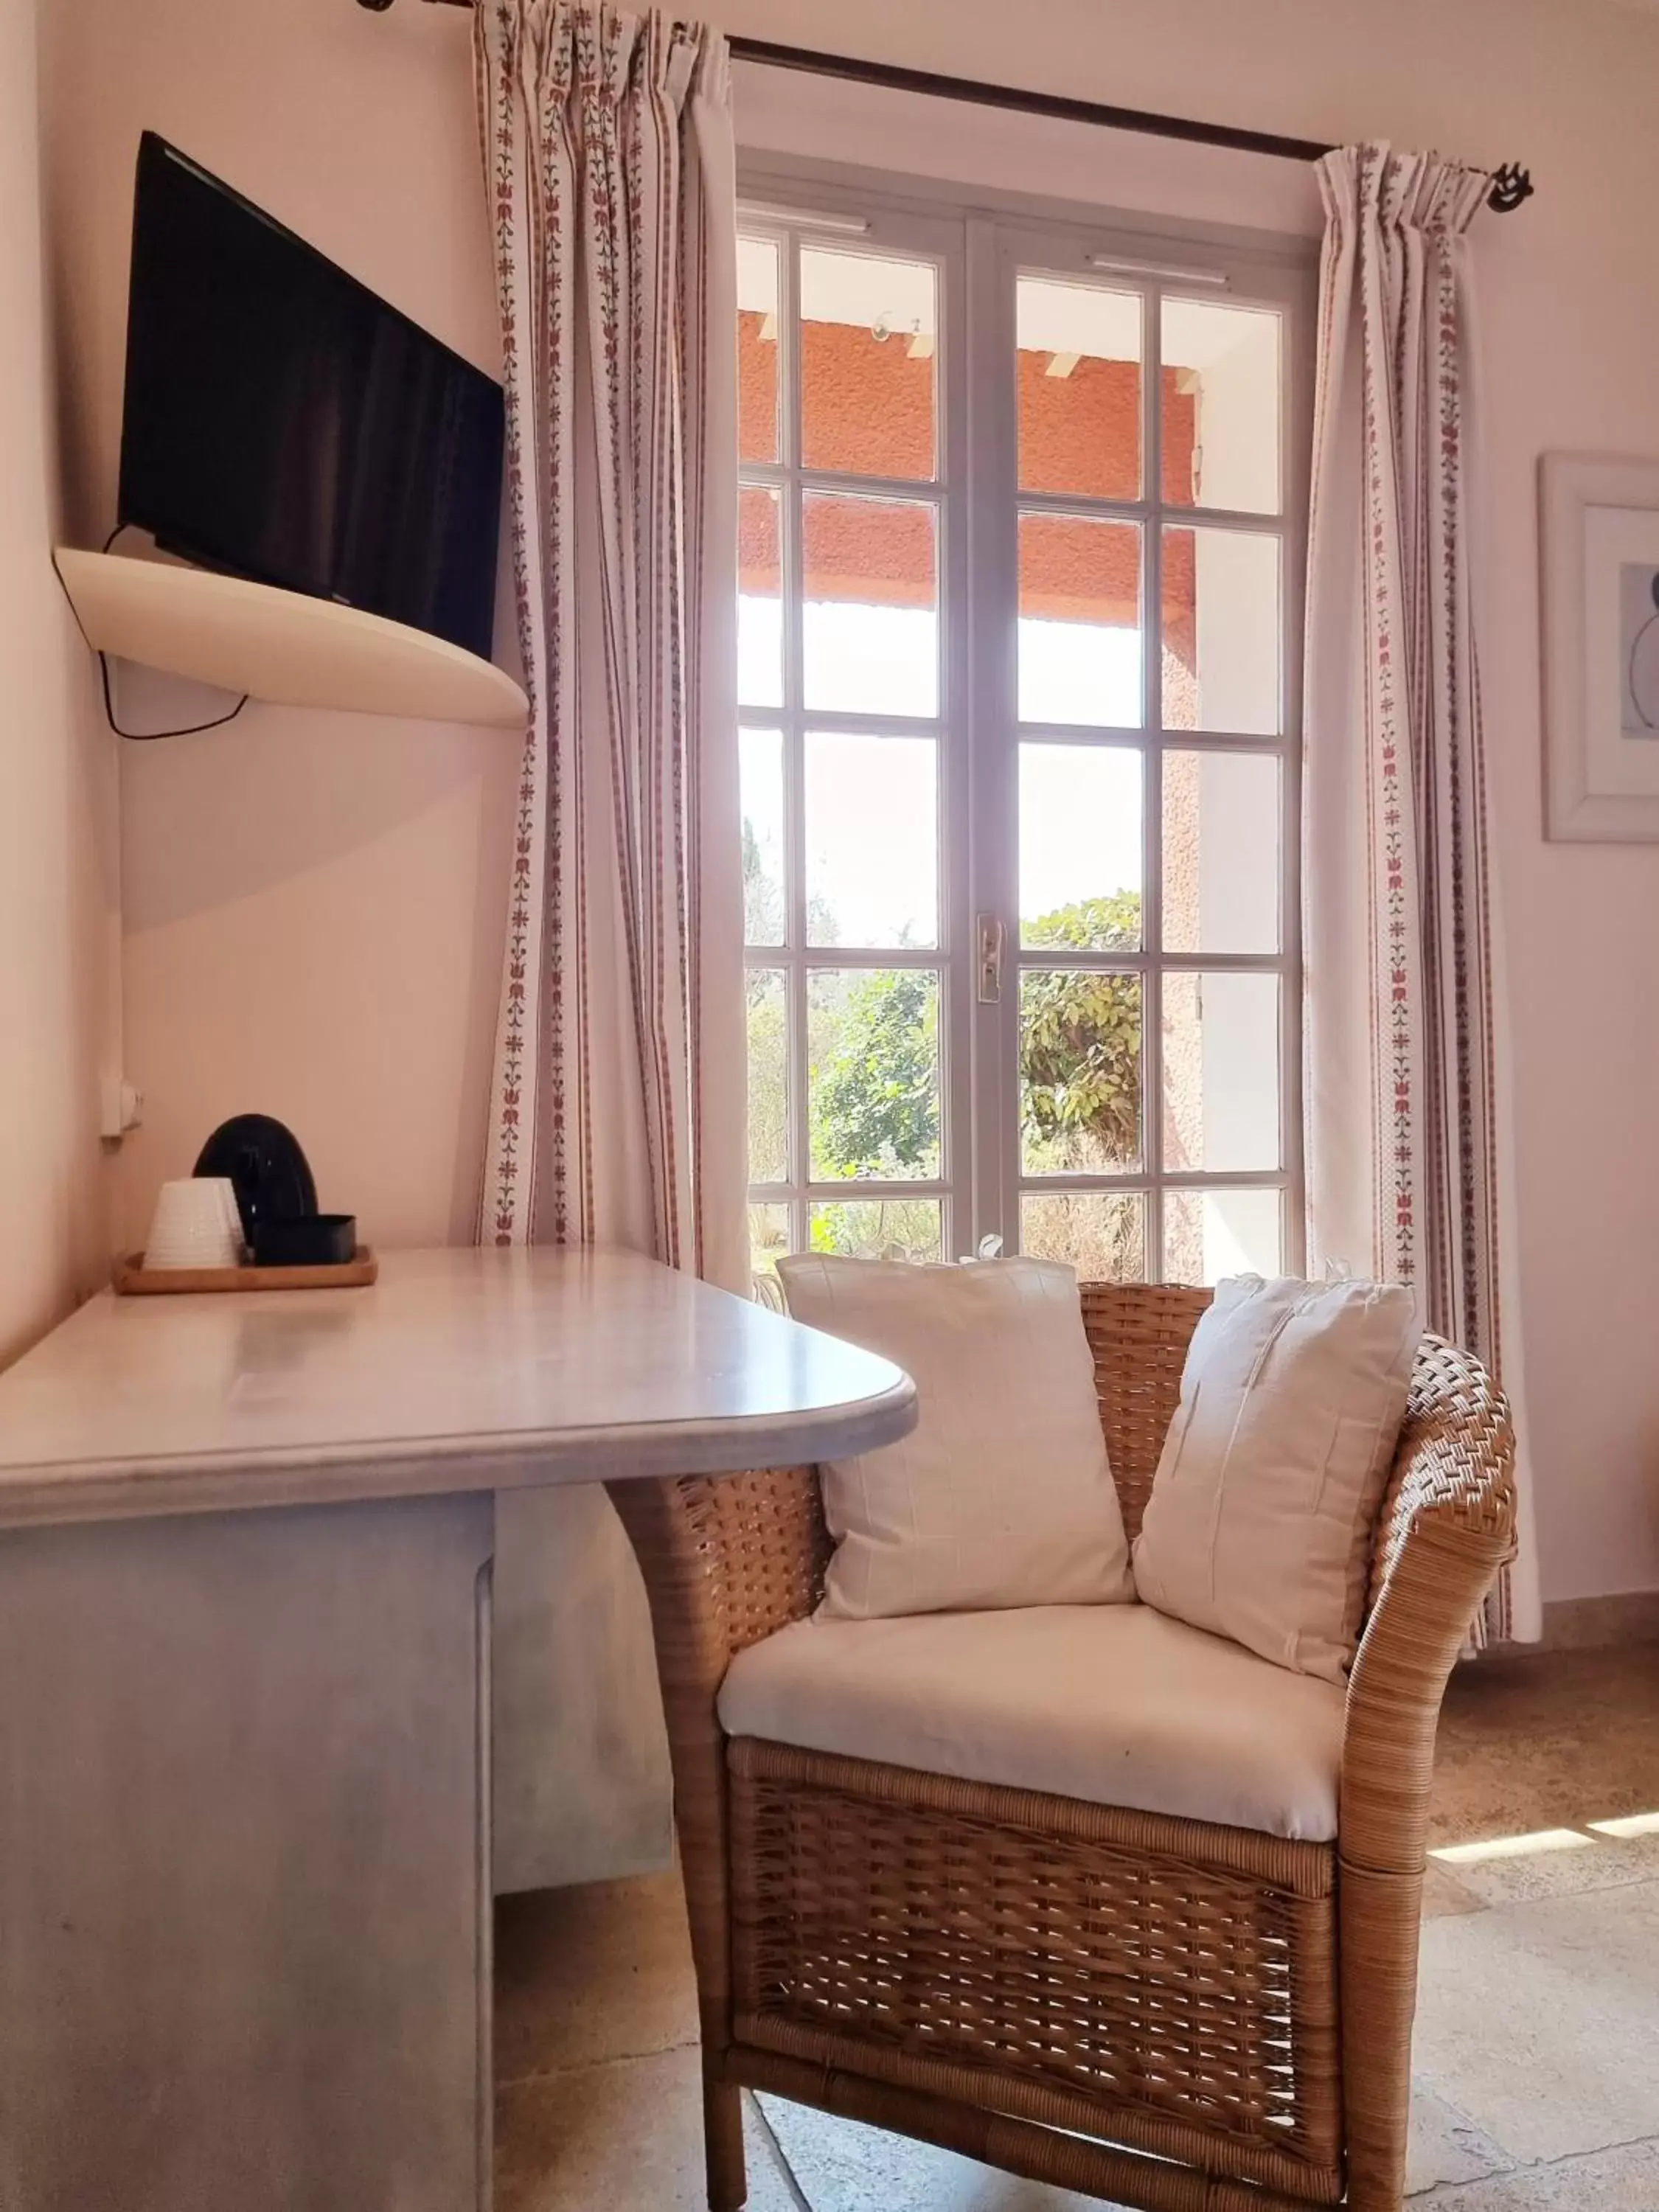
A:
(1259, 1525)
(1001, 1495)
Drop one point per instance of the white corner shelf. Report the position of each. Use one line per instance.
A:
(281, 646)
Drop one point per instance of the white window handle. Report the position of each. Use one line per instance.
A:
(988, 933)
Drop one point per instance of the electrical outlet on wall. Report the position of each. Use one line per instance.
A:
(121, 1108)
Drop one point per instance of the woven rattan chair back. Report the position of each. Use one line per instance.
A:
(1139, 1333)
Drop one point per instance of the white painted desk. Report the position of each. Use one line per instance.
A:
(245, 1548)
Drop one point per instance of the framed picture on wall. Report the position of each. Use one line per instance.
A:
(1599, 537)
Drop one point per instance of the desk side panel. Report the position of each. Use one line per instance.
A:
(241, 1884)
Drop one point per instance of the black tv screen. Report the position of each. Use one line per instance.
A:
(283, 423)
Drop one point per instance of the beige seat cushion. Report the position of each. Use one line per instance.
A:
(1259, 1525)
(1001, 1495)
(1114, 1704)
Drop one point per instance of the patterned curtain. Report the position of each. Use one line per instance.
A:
(618, 1106)
(1406, 1135)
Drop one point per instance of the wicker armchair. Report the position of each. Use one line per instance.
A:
(1169, 2015)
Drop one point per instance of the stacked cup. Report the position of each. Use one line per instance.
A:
(196, 1224)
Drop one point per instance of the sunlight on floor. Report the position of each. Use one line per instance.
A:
(1512, 1847)
(1637, 1824)
(1481, 1849)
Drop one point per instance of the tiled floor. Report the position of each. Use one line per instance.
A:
(1538, 2027)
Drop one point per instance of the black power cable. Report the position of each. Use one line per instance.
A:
(146, 737)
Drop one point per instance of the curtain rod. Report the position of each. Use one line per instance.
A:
(1511, 184)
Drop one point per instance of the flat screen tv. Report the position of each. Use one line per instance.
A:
(283, 423)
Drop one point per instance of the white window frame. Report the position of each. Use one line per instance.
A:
(978, 250)
(884, 232)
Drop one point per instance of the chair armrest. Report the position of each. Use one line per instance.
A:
(726, 1561)
(1447, 1525)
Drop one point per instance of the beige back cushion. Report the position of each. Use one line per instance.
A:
(1001, 1495)
(1259, 1526)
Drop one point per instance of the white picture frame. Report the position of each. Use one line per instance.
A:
(1599, 552)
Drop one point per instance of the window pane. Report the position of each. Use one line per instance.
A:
(1102, 1233)
(1220, 407)
(1209, 1235)
(760, 759)
(1222, 828)
(1080, 846)
(1079, 621)
(757, 350)
(868, 328)
(1079, 1072)
(871, 621)
(1079, 389)
(884, 1229)
(769, 1238)
(872, 840)
(1221, 631)
(768, 991)
(873, 1073)
(1220, 1072)
(760, 602)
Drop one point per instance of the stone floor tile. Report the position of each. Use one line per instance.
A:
(1555, 1868)
(1521, 1692)
(1443, 1892)
(585, 1975)
(841, 2165)
(621, 2137)
(1624, 2179)
(1444, 2145)
(1539, 2021)
(1553, 1781)
(1547, 1739)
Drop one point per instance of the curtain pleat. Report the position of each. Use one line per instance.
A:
(1407, 1168)
(617, 1105)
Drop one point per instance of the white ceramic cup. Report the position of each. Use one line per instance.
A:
(196, 1224)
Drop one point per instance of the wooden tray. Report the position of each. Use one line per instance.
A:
(134, 1280)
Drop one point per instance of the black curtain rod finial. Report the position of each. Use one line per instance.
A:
(1511, 185)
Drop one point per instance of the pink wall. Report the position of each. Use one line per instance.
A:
(57, 934)
(312, 903)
